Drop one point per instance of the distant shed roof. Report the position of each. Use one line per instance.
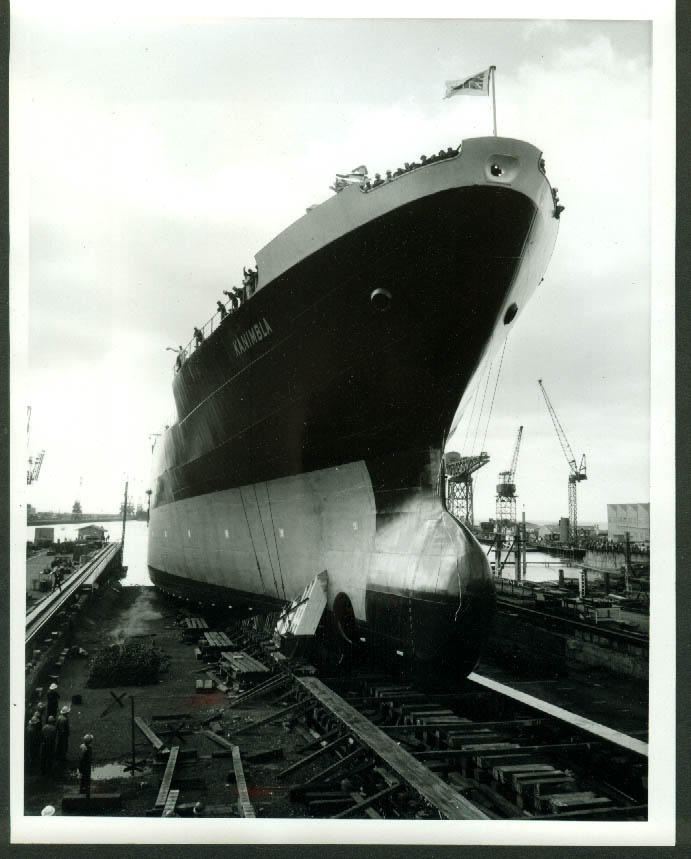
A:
(91, 529)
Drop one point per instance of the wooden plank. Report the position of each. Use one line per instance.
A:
(308, 760)
(263, 688)
(437, 792)
(601, 731)
(329, 771)
(170, 717)
(155, 741)
(277, 715)
(220, 685)
(365, 802)
(167, 778)
(626, 812)
(218, 739)
(171, 801)
(276, 754)
(244, 804)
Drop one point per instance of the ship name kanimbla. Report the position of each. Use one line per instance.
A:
(253, 335)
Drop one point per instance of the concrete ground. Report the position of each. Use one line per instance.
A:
(118, 613)
(34, 566)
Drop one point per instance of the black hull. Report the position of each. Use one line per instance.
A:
(421, 634)
(335, 380)
(311, 423)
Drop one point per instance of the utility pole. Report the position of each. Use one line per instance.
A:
(497, 549)
(523, 552)
(124, 522)
(517, 552)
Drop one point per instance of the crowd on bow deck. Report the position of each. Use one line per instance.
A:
(235, 298)
(359, 175)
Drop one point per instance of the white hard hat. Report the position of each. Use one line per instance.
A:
(48, 811)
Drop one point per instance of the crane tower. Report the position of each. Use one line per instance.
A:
(577, 472)
(35, 462)
(459, 484)
(506, 491)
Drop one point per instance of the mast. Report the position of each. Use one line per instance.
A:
(493, 72)
(124, 520)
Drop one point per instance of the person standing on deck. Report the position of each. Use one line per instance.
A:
(233, 299)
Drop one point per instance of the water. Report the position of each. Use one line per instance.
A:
(135, 544)
(540, 566)
(105, 772)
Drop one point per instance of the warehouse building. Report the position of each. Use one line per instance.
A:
(634, 518)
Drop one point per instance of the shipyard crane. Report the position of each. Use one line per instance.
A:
(35, 462)
(506, 491)
(577, 472)
(459, 484)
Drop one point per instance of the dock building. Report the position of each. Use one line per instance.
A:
(634, 518)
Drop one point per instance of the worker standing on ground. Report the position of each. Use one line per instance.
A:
(48, 746)
(33, 740)
(62, 726)
(52, 696)
(41, 711)
(85, 757)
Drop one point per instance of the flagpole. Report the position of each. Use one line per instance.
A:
(493, 71)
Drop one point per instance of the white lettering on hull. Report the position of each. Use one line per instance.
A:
(258, 331)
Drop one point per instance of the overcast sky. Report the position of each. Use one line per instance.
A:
(156, 156)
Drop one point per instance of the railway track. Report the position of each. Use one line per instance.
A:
(380, 747)
(40, 617)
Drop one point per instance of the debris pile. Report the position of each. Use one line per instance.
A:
(134, 663)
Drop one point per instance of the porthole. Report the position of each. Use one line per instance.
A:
(380, 298)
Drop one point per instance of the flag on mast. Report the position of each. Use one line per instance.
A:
(477, 84)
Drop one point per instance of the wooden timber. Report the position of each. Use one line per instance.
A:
(244, 805)
(171, 801)
(218, 739)
(155, 741)
(167, 778)
(437, 792)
